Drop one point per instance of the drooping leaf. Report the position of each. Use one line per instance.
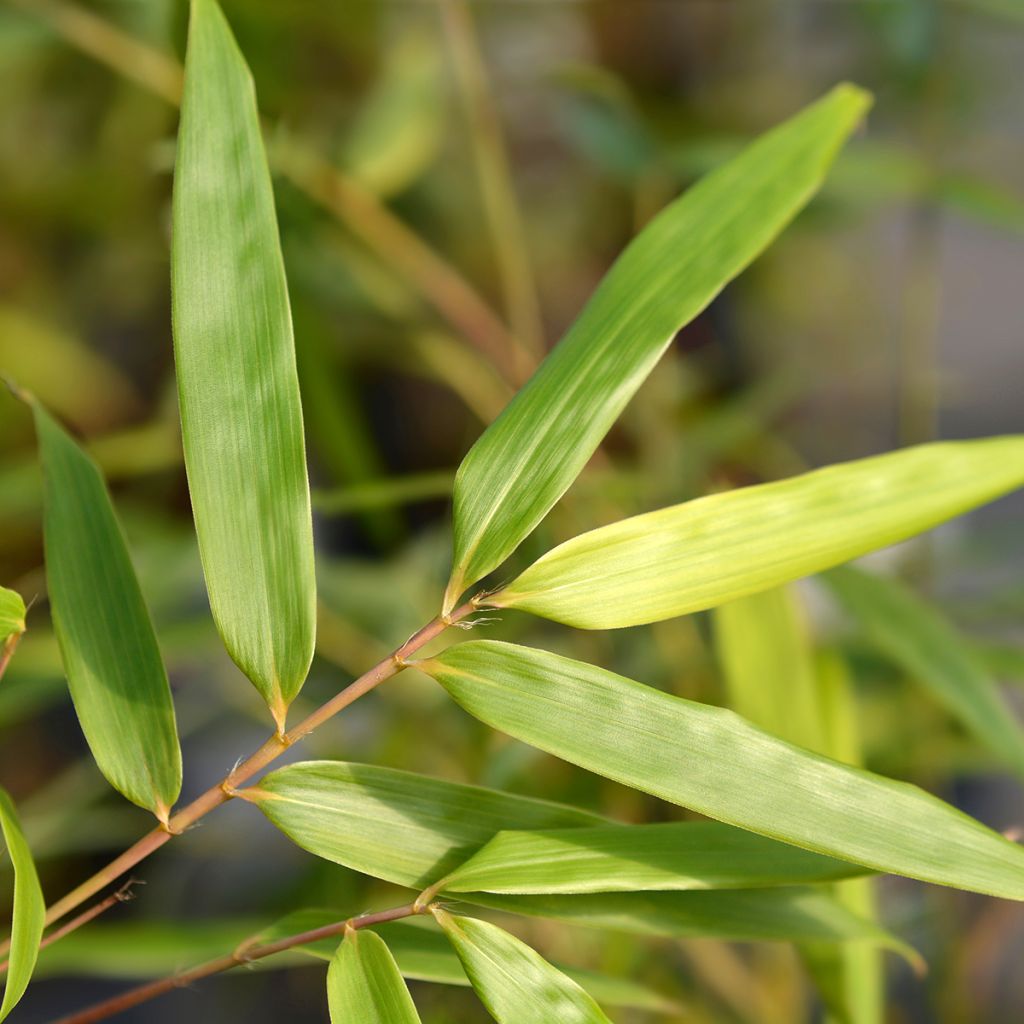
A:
(29, 909)
(631, 858)
(399, 826)
(530, 455)
(929, 649)
(12, 615)
(724, 546)
(364, 983)
(713, 761)
(423, 954)
(115, 672)
(513, 981)
(767, 666)
(237, 384)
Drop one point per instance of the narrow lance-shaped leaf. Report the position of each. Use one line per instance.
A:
(115, 672)
(713, 761)
(412, 830)
(629, 858)
(402, 827)
(529, 456)
(924, 644)
(364, 983)
(724, 546)
(29, 909)
(513, 981)
(237, 385)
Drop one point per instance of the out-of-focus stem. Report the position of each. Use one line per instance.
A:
(398, 246)
(504, 217)
(243, 955)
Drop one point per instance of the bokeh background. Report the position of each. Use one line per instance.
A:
(437, 181)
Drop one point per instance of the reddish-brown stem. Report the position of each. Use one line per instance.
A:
(252, 765)
(243, 955)
(7, 650)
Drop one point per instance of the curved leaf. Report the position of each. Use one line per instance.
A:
(364, 984)
(238, 389)
(721, 547)
(513, 981)
(115, 672)
(29, 909)
(926, 646)
(713, 761)
(402, 827)
(630, 858)
(529, 456)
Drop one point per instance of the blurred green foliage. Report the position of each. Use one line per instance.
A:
(881, 317)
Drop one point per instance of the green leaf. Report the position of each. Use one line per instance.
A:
(513, 981)
(29, 909)
(12, 615)
(402, 827)
(724, 546)
(529, 456)
(922, 642)
(629, 858)
(782, 914)
(237, 385)
(423, 954)
(713, 761)
(115, 673)
(769, 675)
(364, 984)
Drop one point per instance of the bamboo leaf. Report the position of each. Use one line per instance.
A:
(12, 615)
(237, 385)
(713, 761)
(402, 827)
(115, 672)
(630, 858)
(922, 642)
(364, 984)
(724, 546)
(513, 981)
(529, 456)
(29, 909)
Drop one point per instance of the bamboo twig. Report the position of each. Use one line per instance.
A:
(226, 789)
(245, 954)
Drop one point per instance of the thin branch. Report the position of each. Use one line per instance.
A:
(276, 745)
(245, 954)
(399, 247)
(508, 232)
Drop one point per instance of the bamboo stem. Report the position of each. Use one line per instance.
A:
(243, 955)
(226, 789)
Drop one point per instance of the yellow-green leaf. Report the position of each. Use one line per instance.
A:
(919, 639)
(713, 761)
(238, 389)
(529, 456)
(29, 909)
(12, 615)
(115, 672)
(724, 546)
(513, 981)
(630, 858)
(364, 984)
